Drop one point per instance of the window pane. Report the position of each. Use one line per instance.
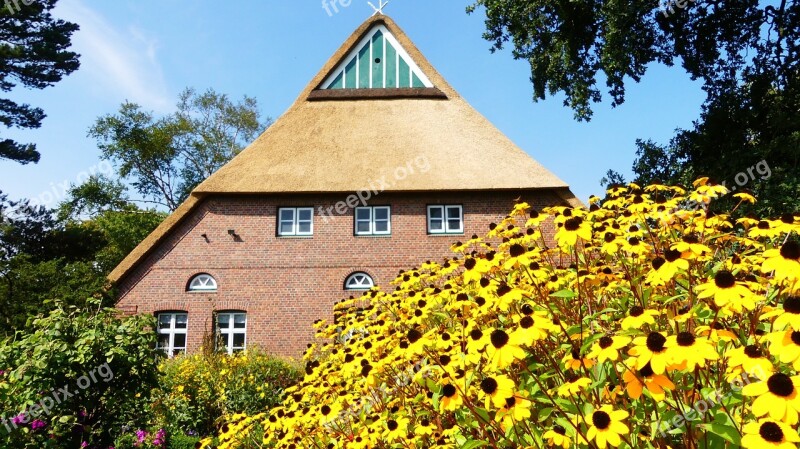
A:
(163, 341)
(287, 228)
(180, 321)
(362, 227)
(239, 320)
(304, 214)
(363, 213)
(454, 225)
(382, 226)
(238, 340)
(381, 213)
(435, 212)
(453, 212)
(180, 341)
(287, 215)
(164, 321)
(224, 320)
(436, 225)
(304, 228)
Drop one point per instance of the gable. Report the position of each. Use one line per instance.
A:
(378, 61)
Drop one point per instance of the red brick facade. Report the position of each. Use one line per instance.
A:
(285, 284)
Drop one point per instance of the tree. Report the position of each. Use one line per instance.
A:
(745, 53)
(33, 53)
(165, 158)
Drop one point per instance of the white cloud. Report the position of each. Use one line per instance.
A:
(122, 63)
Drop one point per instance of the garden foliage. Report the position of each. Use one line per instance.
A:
(649, 322)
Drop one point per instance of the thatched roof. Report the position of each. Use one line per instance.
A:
(350, 139)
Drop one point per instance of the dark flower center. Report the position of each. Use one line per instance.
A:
(763, 225)
(480, 301)
(392, 425)
(444, 359)
(691, 239)
(724, 279)
(469, 264)
(325, 410)
(575, 354)
(655, 342)
(489, 385)
(633, 241)
(637, 311)
(781, 385)
(511, 401)
(672, 255)
(792, 304)
(609, 237)
(476, 334)
(573, 223)
(753, 351)
(526, 322)
(796, 337)
(534, 213)
(790, 250)
(685, 339)
(601, 420)
(787, 218)
(559, 430)
(449, 391)
(646, 370)
(517, 250)
(503, 289)
(606, 341)
(771, 432)
(499, 338)
(527, 309)
(658, 262)
(413, 336)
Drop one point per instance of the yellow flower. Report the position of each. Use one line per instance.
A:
(777, 396)
(607, 348)
(727, 292)
(769, 434)
(635, 382)
(786, 346)
(573, 229)
(638, 317)
(605, 426)
(688, 351)
(501, 351)
(573, 387)
(517, 408)
(784, 262)
(651, 349)
(497, 389)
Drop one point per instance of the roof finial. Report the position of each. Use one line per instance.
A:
(378, 9)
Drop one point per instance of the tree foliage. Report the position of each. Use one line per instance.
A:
(33, 53)
(165, 158)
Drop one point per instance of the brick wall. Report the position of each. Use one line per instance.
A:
(285, 284)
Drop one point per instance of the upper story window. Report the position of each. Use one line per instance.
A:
(295, 221)
(373, 220)
(172, 327)
(203, 283)
(232, 327)
(358, 281)
(447, 219)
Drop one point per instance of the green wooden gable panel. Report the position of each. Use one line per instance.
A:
(377, 63)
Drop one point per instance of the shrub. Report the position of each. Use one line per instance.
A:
(197, 391)
(649, 322)
(78, 378)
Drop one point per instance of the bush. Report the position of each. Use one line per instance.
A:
(649, 322)
(79, 378)
(197, 391)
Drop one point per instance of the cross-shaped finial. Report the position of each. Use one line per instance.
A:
(379, 8)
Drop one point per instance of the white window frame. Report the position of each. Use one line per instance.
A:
(372, 220)
(445, 228)
(361, 286)
(202, 282)
(172, 331)
(295, 222)
(227, 334)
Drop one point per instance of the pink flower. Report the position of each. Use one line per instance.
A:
(38, 424)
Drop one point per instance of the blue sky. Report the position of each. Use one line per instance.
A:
(147, 51)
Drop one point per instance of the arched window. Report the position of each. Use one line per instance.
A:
(358, 281)
(203, 283)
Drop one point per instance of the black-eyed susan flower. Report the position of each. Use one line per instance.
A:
(748, 360)
(557, 436)
(501, 351)
(688, 351)
(788, 315)
(777, 397)
(764, 229)
(645, 378)
(607, 348)
(727, 292)
(516, 409)
(785, 345)
(651, 349)
(606, 426)
(785, 262)
(396, 429)
(638, 317)
(451, 399)
(690, 247)
(497, 389)
(532, 328)
(573, 229)
(573, 361)
(573, 386)
(769, 434)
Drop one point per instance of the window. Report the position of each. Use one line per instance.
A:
(445, 220)
(373, 220)
(358, 281)
(294, 221)
(203, 283)
(172, 332)
(232, 327)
